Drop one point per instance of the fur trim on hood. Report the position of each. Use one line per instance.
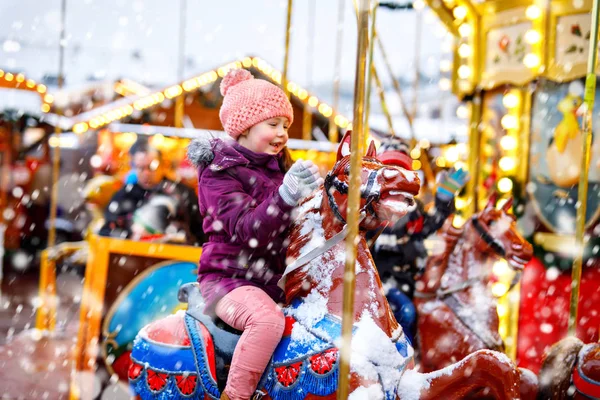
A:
(200, 151)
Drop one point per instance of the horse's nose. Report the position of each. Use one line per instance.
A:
(390, 173)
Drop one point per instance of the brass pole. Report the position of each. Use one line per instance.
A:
(588, 104)
(356, 154)
(333, 130)
(180, 100)
(384, 106)
(307, 111)
(286, 57)
(419, 31)
(49, 291)
(474, 151)
(371, 69)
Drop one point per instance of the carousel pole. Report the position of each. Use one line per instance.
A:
(333, 130)
(356, 153)
(286, 57)
(47, 314)
(588, 104)
(180, 100)
(371, 70)
(384, 107)
(307, 112)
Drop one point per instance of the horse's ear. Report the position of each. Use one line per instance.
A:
(506, 207)
(372, 150)
(344, 148)
(492, 200)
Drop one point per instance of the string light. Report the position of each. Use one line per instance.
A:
(505, 185)
(531, 60)
(533, 12)
(460, 12)
(465, 30)
(510, 100)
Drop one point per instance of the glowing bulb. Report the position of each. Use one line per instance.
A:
(445, 65)
(508, 142)
(505, 185)
(510, 100)
(532, 36)
(531, 60)
(464, 50)
(465, 30)
(418, 4)
(462, 112)
(507, 164)
(452, 154)
(424, 143)
(464, 71)
(313, 101)
(509, 121)
(499, 289)
(445, 84)
(460, 12)
(415, 153)
(533, 12)
(416, 165)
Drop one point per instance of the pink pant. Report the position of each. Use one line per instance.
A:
(251, 310)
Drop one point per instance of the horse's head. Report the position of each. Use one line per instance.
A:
(498, 232)
(386, 191)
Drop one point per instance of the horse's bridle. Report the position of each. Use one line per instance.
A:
(487, 238)
(332, 180)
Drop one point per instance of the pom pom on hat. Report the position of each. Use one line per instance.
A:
(248, 101)
(233, 78)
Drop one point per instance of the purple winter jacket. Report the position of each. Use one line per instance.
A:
(245, 219)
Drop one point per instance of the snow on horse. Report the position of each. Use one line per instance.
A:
(571, 370)
(186, 355)
(456, 308)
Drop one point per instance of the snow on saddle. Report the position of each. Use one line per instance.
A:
(187, 355)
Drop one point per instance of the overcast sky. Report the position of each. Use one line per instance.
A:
(139, 39)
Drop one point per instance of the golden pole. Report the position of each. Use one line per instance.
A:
(474, 151)
(588, 104)
(371, 70)
(49, 291)
(286, 57)
(356, 154)
(333, 130)
(307, 123)
(384, 106)
(310, 50)
(180, 100)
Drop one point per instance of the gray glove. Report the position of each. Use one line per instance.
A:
(301, 180)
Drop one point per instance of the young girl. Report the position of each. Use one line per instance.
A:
(246, 197)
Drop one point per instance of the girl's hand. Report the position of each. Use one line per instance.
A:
(301, 180)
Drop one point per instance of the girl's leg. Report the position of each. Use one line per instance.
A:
(251, 310)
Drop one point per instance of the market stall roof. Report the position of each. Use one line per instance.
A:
(126, 106)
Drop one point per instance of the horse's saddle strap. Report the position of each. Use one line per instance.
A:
(469, 320)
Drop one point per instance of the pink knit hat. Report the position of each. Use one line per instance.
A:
(248, 101)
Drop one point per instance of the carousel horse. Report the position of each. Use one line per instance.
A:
(186, 354)
(456, 308)
(570, 370)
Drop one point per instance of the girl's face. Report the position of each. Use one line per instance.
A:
(269, 136)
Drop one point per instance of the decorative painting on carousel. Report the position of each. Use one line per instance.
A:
(556, 156)
(571, 45)
(506, 48)
(150, 296)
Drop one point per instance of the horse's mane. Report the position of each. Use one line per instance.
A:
(305, 228)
